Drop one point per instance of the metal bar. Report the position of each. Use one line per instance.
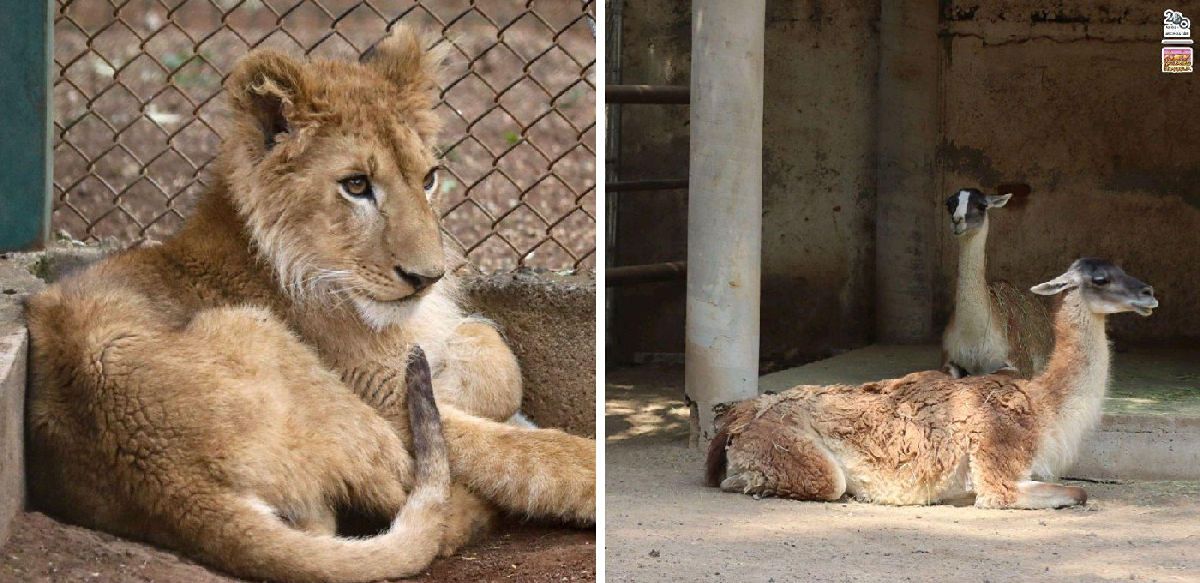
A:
(679, 94)
(632, 274)
(724, 207)
(629, 185)
(612, 147)
(25, 41)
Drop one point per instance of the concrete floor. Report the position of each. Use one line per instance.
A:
(664, 525)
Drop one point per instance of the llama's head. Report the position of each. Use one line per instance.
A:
(968, 208)
(1104, 287)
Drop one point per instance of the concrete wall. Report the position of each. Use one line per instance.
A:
(818, 173)
(1065, 96)
(651, 227)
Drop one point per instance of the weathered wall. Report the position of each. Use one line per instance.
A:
(818, 173)
(1066, 96)
(651, 226)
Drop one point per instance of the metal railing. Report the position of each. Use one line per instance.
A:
(137, 91)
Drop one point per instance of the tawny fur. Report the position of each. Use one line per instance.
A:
(927, 438)
(226, 392)
(994, 325)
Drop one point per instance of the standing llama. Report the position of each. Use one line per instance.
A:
(994, 327)
(928, 438)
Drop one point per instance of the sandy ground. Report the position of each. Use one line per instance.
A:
(43, 550)
(664, 525)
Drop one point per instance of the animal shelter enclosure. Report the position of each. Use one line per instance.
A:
(122, 103)
(872, 114)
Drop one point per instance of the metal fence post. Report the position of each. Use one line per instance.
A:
(25, 110)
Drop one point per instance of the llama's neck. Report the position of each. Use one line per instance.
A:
(1069, 395)
(972, 304)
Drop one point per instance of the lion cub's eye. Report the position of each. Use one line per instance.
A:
(431, 180)
(358, 186)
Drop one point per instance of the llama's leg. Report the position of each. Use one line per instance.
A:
(1034, 495)
(773, 459)
(955, 371)
(1000, 463)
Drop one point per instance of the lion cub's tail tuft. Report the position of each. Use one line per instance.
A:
(428, 440)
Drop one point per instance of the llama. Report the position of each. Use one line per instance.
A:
(929, 438)
(994, 327)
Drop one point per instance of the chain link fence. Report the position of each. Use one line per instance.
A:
(138, 88)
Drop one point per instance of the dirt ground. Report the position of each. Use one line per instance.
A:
(43, 550)
(664, 525)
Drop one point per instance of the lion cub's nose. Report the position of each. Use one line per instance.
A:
(418, 281)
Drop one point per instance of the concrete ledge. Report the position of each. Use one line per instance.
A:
(1141, 447)
(16, 282)
(550, 322)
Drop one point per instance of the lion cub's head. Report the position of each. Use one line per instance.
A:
(331, 165)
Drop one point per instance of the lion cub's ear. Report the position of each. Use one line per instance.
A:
(403, 58)
(269, 86)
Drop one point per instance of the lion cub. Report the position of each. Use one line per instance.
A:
(226, 392)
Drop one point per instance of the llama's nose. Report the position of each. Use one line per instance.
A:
(1147, 292)
(418, 281)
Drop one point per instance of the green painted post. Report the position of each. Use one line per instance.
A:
(26, 34)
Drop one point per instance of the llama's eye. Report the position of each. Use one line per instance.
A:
(430, 180)
(1099, 280)
(358, 186)
(982, 206)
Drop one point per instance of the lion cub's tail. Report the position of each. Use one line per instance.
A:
(254, 543)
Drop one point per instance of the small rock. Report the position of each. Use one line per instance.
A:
(654, 553)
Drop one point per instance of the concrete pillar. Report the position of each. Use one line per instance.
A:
(724, 206)
(906, 212)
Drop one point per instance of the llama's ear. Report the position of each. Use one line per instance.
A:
(405, 59)
(269, 86)
(998, 200)
(1054, 286)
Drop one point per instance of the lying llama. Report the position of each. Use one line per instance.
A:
(928, 438)
(994, 326)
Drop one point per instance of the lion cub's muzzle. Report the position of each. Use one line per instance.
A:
(418, 281)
